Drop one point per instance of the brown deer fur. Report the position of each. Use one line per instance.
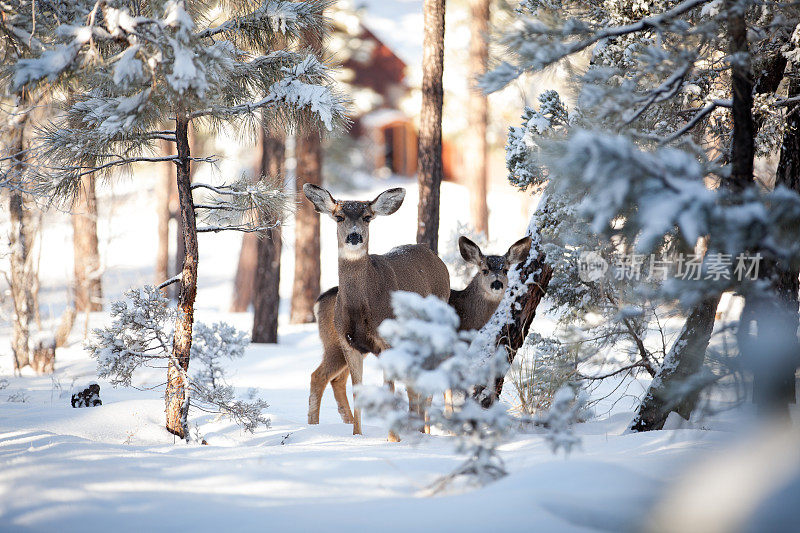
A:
(366, 283)
(476, 303)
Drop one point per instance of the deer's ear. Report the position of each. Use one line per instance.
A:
(470, 251)
(388, 202)
(519, 250)
(322, 199)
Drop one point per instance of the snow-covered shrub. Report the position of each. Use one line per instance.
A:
(567, 408)
(430, 356)
(140, 335)
(541, 367)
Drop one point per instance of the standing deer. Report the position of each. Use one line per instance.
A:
(476, 303)
(363, 298)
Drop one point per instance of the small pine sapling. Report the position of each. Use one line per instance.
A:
(430, 356)
(566, 409)
(141, 335)
(148, 72)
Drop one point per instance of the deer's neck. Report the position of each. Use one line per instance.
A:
(476, 294)
(355, 271)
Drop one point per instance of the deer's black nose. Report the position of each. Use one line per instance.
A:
(496, 285)
(354, 238)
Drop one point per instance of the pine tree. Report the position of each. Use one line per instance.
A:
(146, 64)
(266, 296)
(24, 27)
(88, 285)
(668, 84)
(476, 153)
(430, 132)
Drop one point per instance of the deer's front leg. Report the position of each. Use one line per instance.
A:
(355, 363)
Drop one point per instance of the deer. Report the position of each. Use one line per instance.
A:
(349, 315)
(477, 302)
(474, 305)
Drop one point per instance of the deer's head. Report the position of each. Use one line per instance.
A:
(353, 217)
(492, 276)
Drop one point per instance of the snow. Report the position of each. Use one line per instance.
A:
(128, 69)
(185, 74)
(115, 465)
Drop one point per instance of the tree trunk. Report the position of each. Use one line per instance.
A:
(180, 231)
(20, 242)
(668, 392)
(177, 393)
(88, 285)
(774, 391)
(305, 289)
(674, 388)
(476, 152)
(742, 142)
(266, 298)
(244, 280)
(164, 213)
(430, 134)
(523, 310)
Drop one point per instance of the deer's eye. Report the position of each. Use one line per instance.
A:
(339, 218)
(366, 218)
(485, 272)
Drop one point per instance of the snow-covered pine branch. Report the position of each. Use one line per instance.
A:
(156, 62)
(430, 356)
(188, 62)
(141, 335)
(242, 205)
(653, 122)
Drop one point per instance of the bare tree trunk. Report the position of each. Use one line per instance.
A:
(163, 193)
(430, 134)
(305, 288)
(523, 310)
(177, 393)
(476, 151)
(774, 391)
(674, 388)
(88, 285)
(266, 298)
(65, 325)
(20, 241)
(742, 143)
(175, 207)
(244, 281)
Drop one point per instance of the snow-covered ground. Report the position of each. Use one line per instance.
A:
(114, 467)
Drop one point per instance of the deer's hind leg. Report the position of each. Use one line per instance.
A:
(339, 386)
(332, 367)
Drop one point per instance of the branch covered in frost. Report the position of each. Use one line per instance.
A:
(567, 408)
(140, 335)
(430, 356)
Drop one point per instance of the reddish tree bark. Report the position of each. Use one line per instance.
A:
(177, 394)
(165, 185)
(476, 152)
(244, 281)
(266, 297)
(88, 285)
(430, 133)
(305, 288)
